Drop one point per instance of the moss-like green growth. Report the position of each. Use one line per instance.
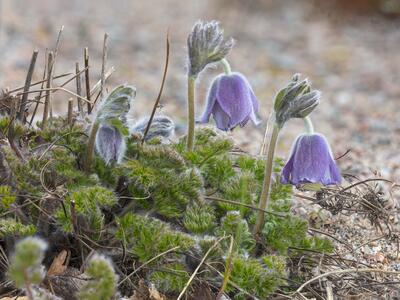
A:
(10, 227)
(102, 281)
(148, 237)
(7, 197)
(26, 268)
(171, 278)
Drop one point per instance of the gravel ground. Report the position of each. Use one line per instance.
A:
(354, 59)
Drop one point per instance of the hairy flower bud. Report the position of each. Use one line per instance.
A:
(206, 44)
(311, 161)
(162, 126)
(111, 122)
(110, 144)
(296, 100)
(231, 101)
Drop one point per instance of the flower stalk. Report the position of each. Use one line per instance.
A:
(226, 66)
(308, 125)
(191, 113)
(296, 100)
(265, 193)
(206, 45)
(90, 147)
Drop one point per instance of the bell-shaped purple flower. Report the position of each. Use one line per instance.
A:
(311, 161)
(231, 101)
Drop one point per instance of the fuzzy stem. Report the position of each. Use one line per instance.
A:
(265, 194)
(227, 66)
(90, 147)
(308, 125)
(28, 288)
(191, 121)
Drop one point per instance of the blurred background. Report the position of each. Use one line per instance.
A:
(350, 50)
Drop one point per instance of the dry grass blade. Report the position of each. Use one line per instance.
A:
(28, 80)
(103, 66)
(87, 79)
(156, 104)
(47, 102)
(246, 205)
(78, 88)
(40, 93)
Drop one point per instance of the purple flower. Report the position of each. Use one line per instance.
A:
(311, 161)
(231, 101)
(110, 144)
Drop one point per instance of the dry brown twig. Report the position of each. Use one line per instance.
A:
(28, 80)
(156, 104)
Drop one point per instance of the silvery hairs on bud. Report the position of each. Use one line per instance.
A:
(206, 44)
(161, 126)
(296, 100)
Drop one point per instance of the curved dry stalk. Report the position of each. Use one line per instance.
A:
(337, 272)
(200, 264)
(146, 263)
(246, 205)
(156, 104)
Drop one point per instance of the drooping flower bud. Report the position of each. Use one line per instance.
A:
(296, 100)
(206, 44)
(162, 126)
(311, 161)
(231, 101)
(111, 122)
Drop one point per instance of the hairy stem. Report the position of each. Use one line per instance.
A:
(308, 125)
(90, 147)
(191, 121)
(226, 66)
(265, 194)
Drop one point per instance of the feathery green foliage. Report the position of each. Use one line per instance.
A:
(233, 224)
(199, 218)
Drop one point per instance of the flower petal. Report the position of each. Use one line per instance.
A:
(234, 97)
(211, 99)
(222, 119)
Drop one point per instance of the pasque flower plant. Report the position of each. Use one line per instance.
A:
(231, 100)
(311, 160)
(206, 45)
